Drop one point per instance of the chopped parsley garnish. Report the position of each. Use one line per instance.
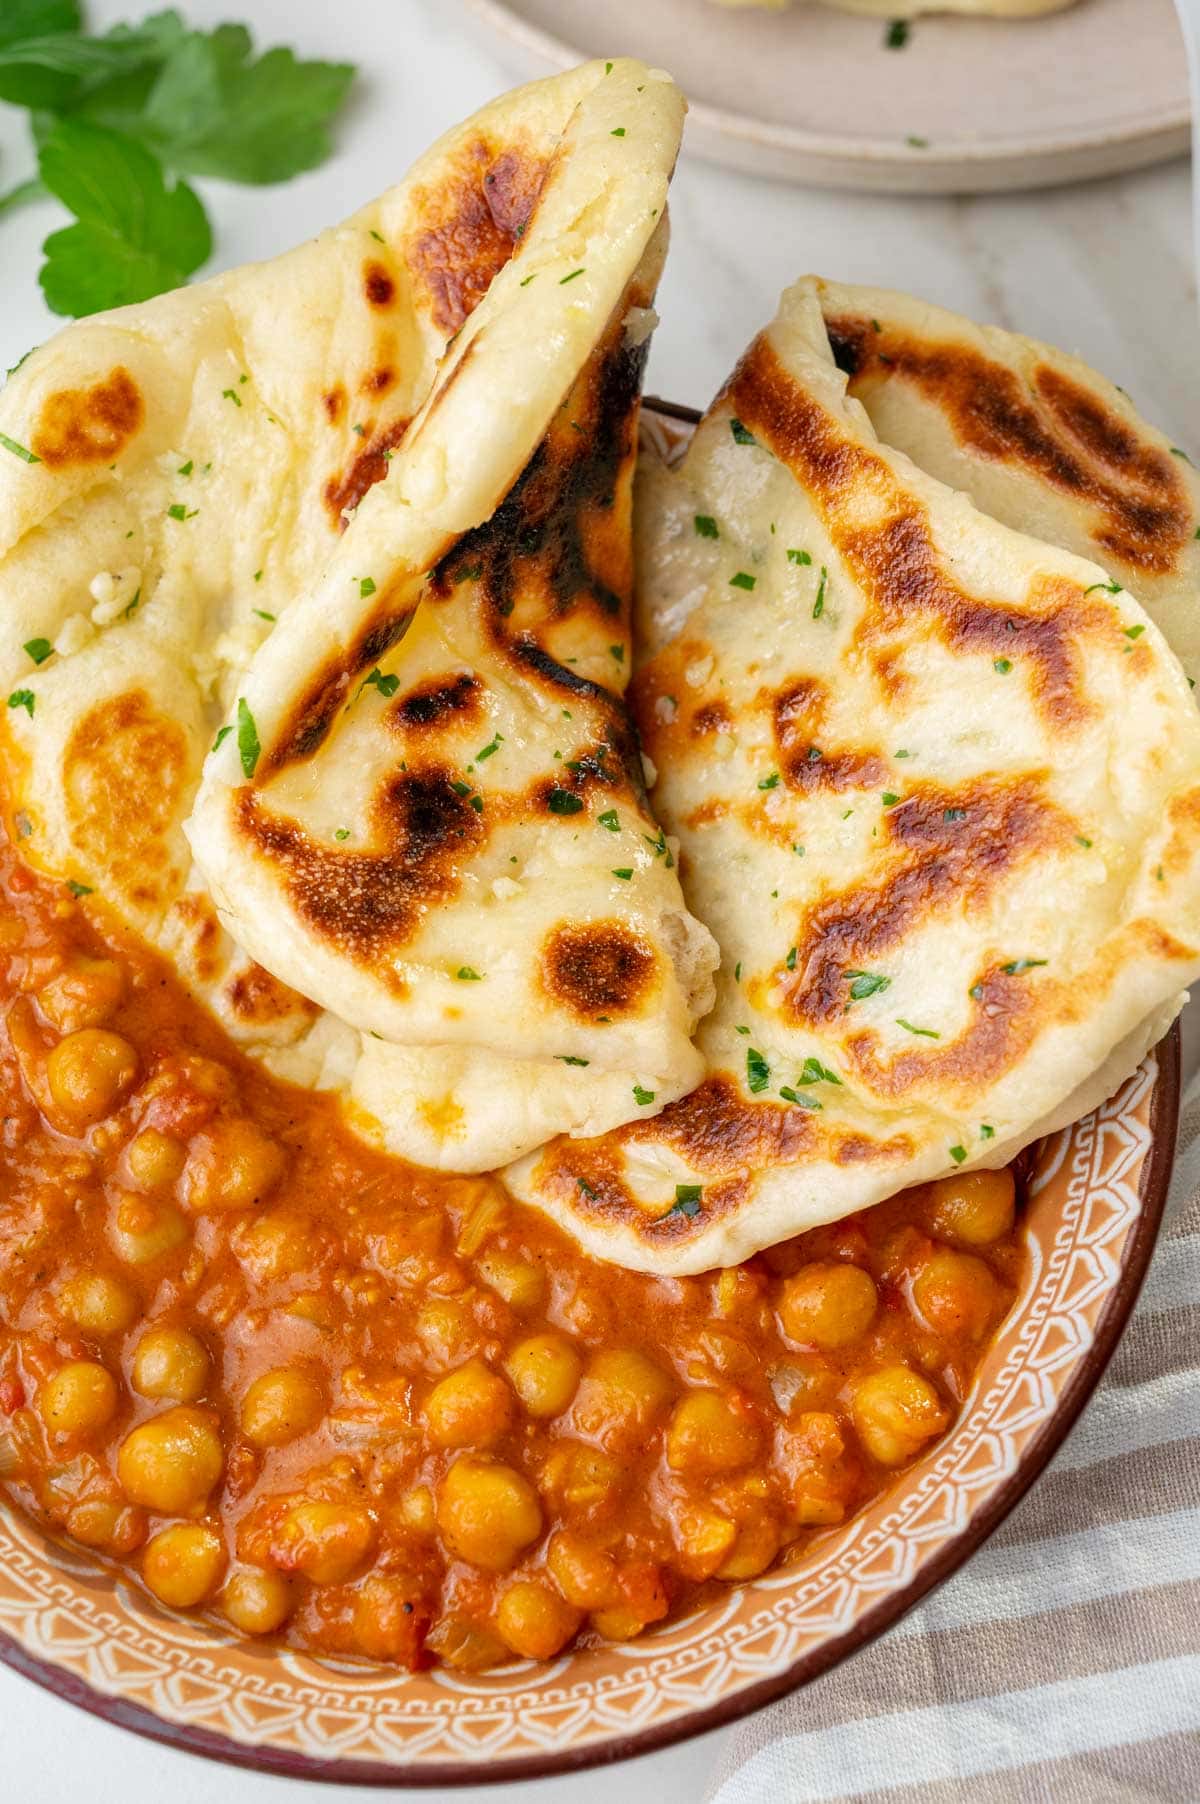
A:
(617, 652)
(801, 1102)
(642, 1097)
(568, 1058)
(247, 738)
(610, 820)
(866, 983)
(525, 284)
(799, 557)
(221, 737)
(625, 874)
(1023, 964)
(262, 614)
(771, 782)
(38, 649)
(186, 469)
(976, 992)
(814, 754)
(889, 798)
(901, 754)
(1081, 841)
(22, 451)
(954, 814)
(341, 833)
(366, 587)
(790, 960)
(78, 889)
(1113, 588)
(958, 1154)
(618, 131)
(466, 975)
(231, 394)
(743, 580)
(741, 1030)
(916, 143)
(1134, 632)
(1177, 452)
(386, 685)
(563, 801)
(1002, 665)
(660, 848)
(570, 278)
(492, 746)
(178, 511)
(816, 1073)
(926, 1033)
(896, 37)
(986, 1131)
(585, 1189)
(740, 433)
(819, 603)
(23, 698)
(258, 576)
(688, 1199)
(758, 1072)
(737, 972)
(706, 526)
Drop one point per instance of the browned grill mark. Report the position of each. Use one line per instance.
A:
(1074, 442)
(335, 404)
(798, 714)
(471, 225)
(955, 848)
(438, 703)
(896, 562)
(378, 285)
(366, 903)
(712, 717)
(597, 968)
(125, 770)
(314, 714)
(1005, 1011)
(344, 492)
(89, 425)
(256, 997)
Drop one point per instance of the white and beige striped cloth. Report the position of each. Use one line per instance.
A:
(1062, 1665)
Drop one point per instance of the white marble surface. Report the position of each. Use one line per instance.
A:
(1104, 270)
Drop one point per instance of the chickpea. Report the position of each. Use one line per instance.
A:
(756, 1546)
(583, 1477)
(280, 1406)
(84, 993)
(171, 1463)
(972, 1208)
(446, 1328)
(623, 1396)
(520, 1283)
(710, 1433)
(98, 1304)
(534, 1621)
(956, 1294)
(417, 1511)
(387, 1625)
(469, 1408)
(230, 1165)
(586, 1575)
(827, 1306)
(88, 1072)
(487, 1513)
(183, 1564)
(142, 1231)
(153, 1160)
(703, 1538)
(107, 1525)
(895, 1412)
(274, 1246)
(170, 1365)
(327, 1542)
(643, 1600)
(544, 1372)
(81, 1398)
(257, 1603)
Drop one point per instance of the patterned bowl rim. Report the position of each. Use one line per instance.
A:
(1153, 1186)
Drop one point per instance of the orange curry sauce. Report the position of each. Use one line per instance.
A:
(385, 1413)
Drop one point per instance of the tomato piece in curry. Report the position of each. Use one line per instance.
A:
(388, 1414)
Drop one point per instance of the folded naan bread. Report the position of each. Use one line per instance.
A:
(185, 472)
(937, 789)
(1036, 438)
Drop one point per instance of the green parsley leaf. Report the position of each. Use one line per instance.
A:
(563, 801)
(743, 580)
(10, 444)
(889, 798)
(819, 603)
(262, 614)
(706, 526)
(1081, 841)
(790, 960)
(625, 874)
(642, 1097)
(801, 1101)
(466, 975)
(758, 1072)
(916, 143)
(23, 698)
(1023, 964)
(866, 983)
(688, 1199)
(134, 236)
(78, 889)
(341, 833)
(178, 511)
(609, 819)
(585, 1189)
(771, 782)
(38, 649)
(737, 972)
(492, 746)
(740, 433)
(221, 737)
(570, 278)
(366, 587)
(926, 1033)
(1134, 632)
(617, 652)
(986, 1131)
(386, 685)
(231, 394)
(896, 35)
(954, 814)
(566, 1058)
(1002, 665)
(186, 469)
(1113, 588)
(799, 557)
(816, 1073)
(958, 1154)
(247, 738)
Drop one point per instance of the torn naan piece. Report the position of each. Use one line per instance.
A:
(937, 790)
(175, 477)
(1036, 438)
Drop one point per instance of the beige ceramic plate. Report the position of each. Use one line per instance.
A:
(815, 96)
(1094, 1209)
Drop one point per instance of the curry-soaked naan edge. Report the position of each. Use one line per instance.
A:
(1040, 441)
(760, 1172)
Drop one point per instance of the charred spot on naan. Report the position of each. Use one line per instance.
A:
(309, 723)
(89, 425)
(797, 717)
(442, 702)
(345, 490)
(196, 916)
(595, 968)
(127, 772)
(365, 903)
(258, 999)
(895, 560)
(952, 849)
(469, 227)
(379, 285)
(1007, 1008)
(1074, 441)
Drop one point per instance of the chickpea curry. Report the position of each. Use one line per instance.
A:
(384, 1413)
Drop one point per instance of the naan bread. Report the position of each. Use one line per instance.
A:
(937, 789)
(1036, 438)
(915, 9)
(198, 460)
